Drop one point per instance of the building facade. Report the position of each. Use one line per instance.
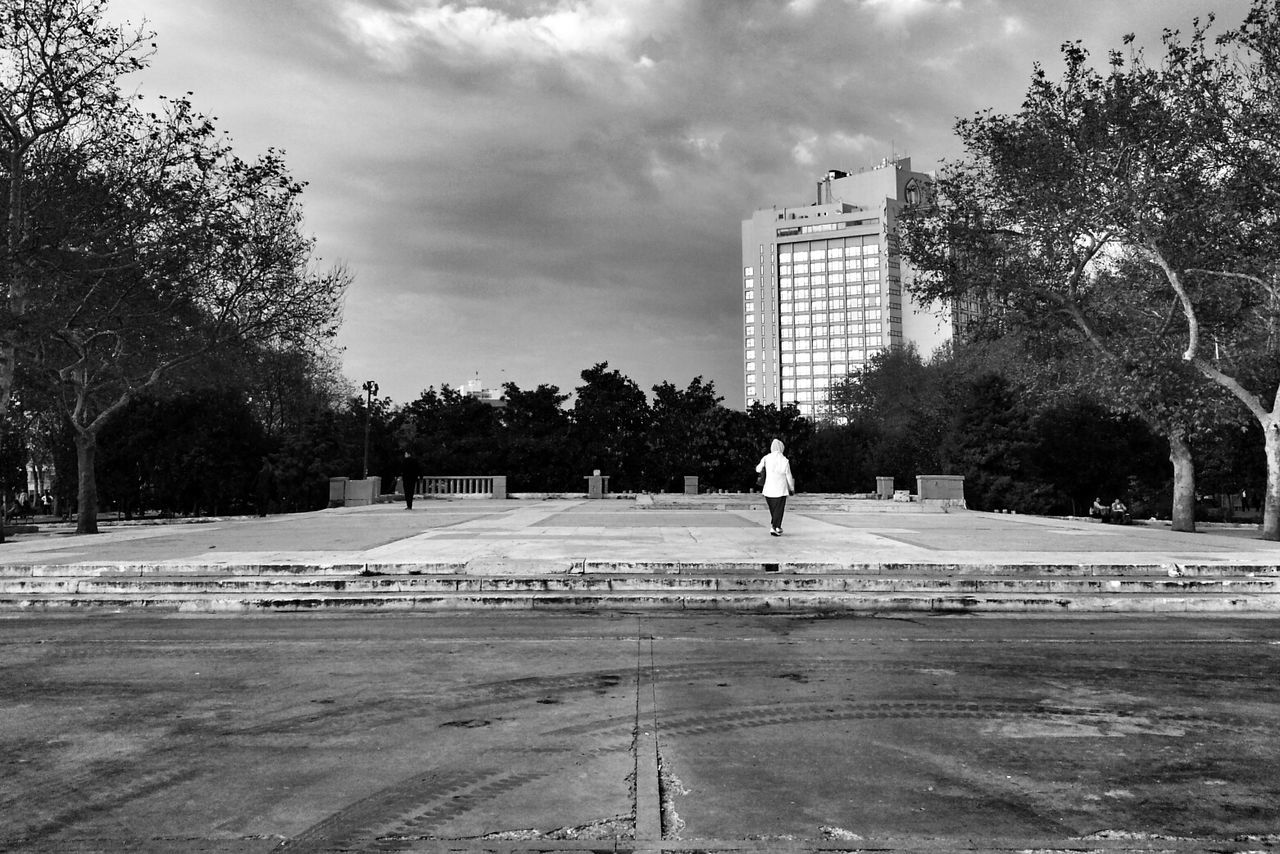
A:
(492, 396)
(822, 287)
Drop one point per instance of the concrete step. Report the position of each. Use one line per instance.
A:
(776, 601)
(781, 591)
(516, 567)
(800, 502)
(762, 583)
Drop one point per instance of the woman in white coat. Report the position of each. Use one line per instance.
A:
(778, 484)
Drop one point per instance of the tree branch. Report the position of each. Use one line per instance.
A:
(1188, 309)
(1251, 401)
(1228, 274)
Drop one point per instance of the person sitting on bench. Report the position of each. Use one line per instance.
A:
(1099, 509)
(1119, 512)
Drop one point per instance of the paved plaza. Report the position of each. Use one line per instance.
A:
(708, 530)
(663, 552)
(156, 729)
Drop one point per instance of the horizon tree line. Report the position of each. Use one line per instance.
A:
(202, 451)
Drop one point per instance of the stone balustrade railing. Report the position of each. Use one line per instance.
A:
(469, 486)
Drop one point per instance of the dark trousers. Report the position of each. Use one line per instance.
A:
(777, 506)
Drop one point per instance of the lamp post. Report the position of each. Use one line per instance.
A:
(371, 388)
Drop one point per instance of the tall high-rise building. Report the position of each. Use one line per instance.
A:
(822, 287)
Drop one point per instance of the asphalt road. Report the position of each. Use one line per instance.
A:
(621, 732)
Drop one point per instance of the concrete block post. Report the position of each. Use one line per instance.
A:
(690, 485)
(338, 491)
(597, 484)
(884, 487)
(946, 489)
(500, 486)
(361, 493)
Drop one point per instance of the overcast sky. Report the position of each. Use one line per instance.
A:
(524, 189)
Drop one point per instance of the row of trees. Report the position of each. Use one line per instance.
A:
(643, 444)
(1123, 227)
(1021, 446)
(203, 451)
(199, 449)
(963, 412)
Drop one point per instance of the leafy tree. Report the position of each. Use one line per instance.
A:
(329, 441)
(288, 382)
(162, 248)
(1201, 205)
(450, 432)
(762, 425)
(194, 453)
(743, 429)
(60, 66)
(689, 436)
(993, 443)
(537, 452)
(13, 459)
(1038, 221)
(898, 405)
(1022, 440)
(841, 455)
(1087, 451)
(611, 419)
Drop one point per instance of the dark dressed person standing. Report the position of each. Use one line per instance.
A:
(265, 488)
(778, 484)
(410, 471)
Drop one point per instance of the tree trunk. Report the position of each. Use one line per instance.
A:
(86, 453)
(1271, 510)
(15, 291)
(3, 519)
(1184, 483)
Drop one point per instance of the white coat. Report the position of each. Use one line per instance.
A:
(778, 481)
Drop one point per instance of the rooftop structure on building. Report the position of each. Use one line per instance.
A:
(492, 396)
(823, 287)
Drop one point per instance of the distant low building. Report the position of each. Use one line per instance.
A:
(822, 287)
(492, 396)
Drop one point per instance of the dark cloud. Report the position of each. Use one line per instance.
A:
(523, 189)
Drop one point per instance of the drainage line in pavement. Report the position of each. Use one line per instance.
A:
(648, 788)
